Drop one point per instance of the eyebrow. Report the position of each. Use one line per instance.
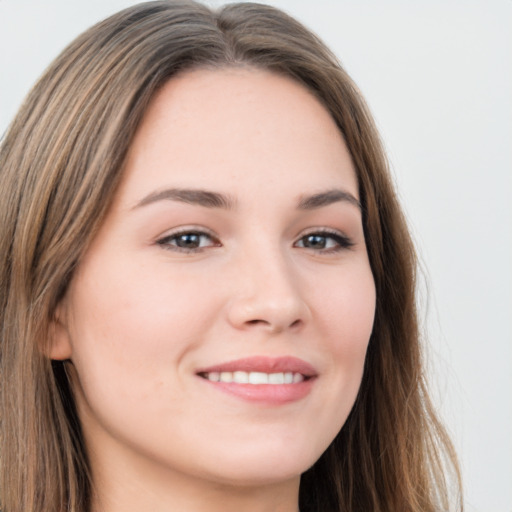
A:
(209, 199)
(312, 202)
(198, 197)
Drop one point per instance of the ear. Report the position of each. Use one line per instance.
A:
(60, 343)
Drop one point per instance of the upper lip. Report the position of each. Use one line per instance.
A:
(263, 364)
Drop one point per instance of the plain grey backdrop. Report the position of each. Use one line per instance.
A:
(438, 77)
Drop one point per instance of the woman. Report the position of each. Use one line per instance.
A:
(207, 284)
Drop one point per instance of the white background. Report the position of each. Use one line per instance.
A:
(438, 78)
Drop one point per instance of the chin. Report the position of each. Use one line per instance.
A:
(262, 467)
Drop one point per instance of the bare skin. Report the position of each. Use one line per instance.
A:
(235, 235)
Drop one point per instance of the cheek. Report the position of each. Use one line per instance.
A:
(347, 312)
(134, 329)
(135, 310)
(347, 315)
(129, 337)
(130, 330)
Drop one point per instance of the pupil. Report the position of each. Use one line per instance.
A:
(188, 241)
(316, 241)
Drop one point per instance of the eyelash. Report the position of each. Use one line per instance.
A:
(165, 242)
(341, 241)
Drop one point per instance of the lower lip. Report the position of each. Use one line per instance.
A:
(268, 394)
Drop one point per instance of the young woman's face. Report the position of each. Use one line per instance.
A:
(219, 321)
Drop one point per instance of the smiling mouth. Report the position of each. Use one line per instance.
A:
(270, 381)
(255, 378)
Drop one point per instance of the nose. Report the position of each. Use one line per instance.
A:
(267, 296)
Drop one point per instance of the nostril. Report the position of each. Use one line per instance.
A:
(257, 321)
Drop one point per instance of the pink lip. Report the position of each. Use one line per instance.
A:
(267, 394)
(264, 364)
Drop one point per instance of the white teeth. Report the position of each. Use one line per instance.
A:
(226, 377)
(276, 378)
(297, 377)
(258, 378)
(240, 377)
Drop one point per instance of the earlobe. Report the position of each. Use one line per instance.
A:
(60, 345)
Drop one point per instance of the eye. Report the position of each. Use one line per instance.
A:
(324, 241)
(188, 241)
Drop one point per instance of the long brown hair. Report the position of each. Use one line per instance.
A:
(60, 163)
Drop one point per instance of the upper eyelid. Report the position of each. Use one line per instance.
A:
(325, 231)
(187, 229)
(321, 229)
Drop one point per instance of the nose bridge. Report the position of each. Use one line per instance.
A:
(266, 290)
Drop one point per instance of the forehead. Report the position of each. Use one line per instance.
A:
(237, 128)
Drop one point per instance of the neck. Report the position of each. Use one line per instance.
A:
(197, 497)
